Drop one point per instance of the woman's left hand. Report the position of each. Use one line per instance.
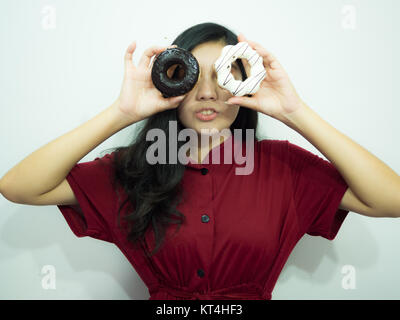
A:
(276, 96)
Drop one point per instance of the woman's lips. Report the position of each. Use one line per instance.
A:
(206, 117)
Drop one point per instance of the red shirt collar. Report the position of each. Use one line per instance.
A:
(231, 146)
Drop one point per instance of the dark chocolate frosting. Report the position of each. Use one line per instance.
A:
(175, 86)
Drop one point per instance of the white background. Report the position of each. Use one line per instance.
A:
(340, 55)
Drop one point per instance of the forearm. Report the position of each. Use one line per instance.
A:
(48, 166)
(370, 179)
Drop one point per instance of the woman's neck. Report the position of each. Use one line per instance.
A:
(209, 142)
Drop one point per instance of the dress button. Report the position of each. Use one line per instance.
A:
(200, 273)
(204, 171)
(205, 218)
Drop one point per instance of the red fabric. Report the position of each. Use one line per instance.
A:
(255, 220)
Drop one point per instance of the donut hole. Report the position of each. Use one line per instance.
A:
(235, 70)
(175, 72)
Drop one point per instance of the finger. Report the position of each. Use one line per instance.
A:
(252, 44)
(244, 101)
(271, 63)
(241, 37)
(128, 54)
(155, 57)
(269, 59)
(173, 102)
(149, 53)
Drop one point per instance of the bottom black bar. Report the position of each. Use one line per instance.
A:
(196, 309)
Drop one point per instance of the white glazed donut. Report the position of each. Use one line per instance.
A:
(223, 68)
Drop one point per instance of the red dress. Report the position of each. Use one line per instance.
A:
(240, 228)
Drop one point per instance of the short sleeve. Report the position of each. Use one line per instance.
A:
(318, 189)
(91, 183)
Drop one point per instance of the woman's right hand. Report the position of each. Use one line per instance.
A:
(139, 98)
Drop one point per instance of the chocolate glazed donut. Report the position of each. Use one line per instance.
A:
(184, 76)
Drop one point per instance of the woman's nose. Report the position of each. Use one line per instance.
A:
(207, 89)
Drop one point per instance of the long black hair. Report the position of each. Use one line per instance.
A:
(154, 190)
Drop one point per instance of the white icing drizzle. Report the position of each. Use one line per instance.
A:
(223, 68)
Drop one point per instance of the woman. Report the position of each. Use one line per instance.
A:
(233, 233)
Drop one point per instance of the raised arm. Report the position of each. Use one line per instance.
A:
(45, 169)
(40, 178)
